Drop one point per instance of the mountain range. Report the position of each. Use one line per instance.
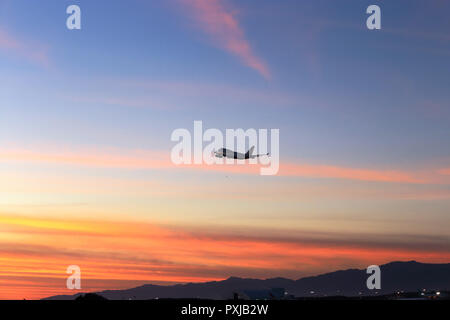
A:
(409, 276)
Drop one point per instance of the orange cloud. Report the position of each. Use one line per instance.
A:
(35, 252)
(144, 159)
(222, 24)
(104, 158)
(324, 171)
(34, 53)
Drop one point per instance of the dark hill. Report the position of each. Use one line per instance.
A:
(395, 276)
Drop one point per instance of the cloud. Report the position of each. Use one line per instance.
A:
(325, 171)
(222, 24)
(90, 157)
(160, 160)
(46, 183)
(18, 47)
(35, 253)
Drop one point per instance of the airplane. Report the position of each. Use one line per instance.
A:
(226, 153)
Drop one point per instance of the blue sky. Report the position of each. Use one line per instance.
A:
(331, 77)
(364, 117)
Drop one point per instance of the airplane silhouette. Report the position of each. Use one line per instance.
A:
(226, 153)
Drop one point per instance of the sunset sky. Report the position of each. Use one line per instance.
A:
(86, 118)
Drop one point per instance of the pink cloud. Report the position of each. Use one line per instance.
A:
(160, 160)
(214, 19)
(18, 47)
(97, 158)
(326, 171)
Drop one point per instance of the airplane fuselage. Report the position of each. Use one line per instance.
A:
(226, 153)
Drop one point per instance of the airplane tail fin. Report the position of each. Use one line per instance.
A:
(249, 152)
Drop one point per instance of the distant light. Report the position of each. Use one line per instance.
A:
(438, 293)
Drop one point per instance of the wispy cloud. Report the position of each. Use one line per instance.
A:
(16, 46)
(90, 157)
(221, 23)
(158, 160)
(326, 171)
(46, 184)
